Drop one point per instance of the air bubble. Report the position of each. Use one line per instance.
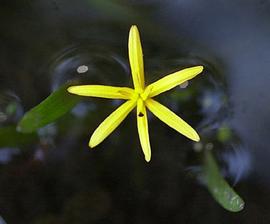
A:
(82, 69)
(197, 147)
(184, 85)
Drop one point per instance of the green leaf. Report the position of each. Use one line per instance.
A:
(218, 187)
(52, 108)
(9, 137)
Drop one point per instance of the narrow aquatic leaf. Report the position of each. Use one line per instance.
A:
(142, 124)
(110, 92)
(170, 81)
(136, 58)
(171, 119)
(111, 123)
(9, 137)
(50, 109)
(218, 187)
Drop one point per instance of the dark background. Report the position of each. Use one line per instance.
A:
(57, 179)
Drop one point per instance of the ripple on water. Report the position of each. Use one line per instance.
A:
(88, 65)
(202, 100)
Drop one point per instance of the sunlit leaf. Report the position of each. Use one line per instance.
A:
(9, 137)
(218, 187)
(50, 109)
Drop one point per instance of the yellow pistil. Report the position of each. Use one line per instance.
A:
(141, 97)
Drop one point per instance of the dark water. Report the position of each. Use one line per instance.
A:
(57, 179)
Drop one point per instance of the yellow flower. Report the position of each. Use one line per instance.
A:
(141, 97)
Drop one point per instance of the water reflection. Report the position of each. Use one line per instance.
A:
(2, 221)
(238, 35)
(82, 109)
(10, 107)
(229, 105)
(238, 162)
(82, 69)
(48, 132)
(6, 155)
(87, 65)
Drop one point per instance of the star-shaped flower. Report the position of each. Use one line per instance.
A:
(140, 96)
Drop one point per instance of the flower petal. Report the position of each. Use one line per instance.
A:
(142, 124)
(170, 81)
(136, 58)
(111, 123)
(171, 119)
(110, 92)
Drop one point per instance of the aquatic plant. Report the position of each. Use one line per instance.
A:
(141, 97)
(60, 102)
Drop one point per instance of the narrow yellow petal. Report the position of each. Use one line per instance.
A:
(111, 123)
(142, 124)
(136, 58)
(171, 119)
(110, 92)
(170, 81)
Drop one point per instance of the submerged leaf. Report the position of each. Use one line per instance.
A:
(50, 109)
(224, 134)
(9, 137)
(219, 188)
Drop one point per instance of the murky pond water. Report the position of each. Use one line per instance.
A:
(50, 175)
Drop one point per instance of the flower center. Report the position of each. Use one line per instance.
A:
(143, 95)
